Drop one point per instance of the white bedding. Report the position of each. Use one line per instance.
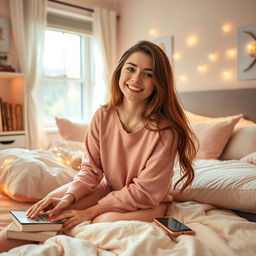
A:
(218, 232)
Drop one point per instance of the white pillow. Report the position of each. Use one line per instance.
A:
(227, 184)
(28, 176)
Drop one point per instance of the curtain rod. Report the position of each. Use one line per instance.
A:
(72, 5)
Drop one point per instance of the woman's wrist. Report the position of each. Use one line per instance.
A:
(94, 211)
(70, 198)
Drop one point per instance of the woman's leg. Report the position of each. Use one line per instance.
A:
(142, 215)
(8, 244)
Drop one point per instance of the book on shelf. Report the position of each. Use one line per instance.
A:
(11, 116)
(13, 232)
(40, 223)
(1, 119)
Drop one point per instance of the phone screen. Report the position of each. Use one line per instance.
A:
(173, 224)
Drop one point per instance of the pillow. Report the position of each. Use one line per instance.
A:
(69, 130)
(251, 158)
(242, 140)
(241, 143)
(213, 136)
(28, 176)
(227, 184)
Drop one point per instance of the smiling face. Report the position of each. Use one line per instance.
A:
(136, 78)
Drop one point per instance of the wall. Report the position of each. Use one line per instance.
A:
(183, 18)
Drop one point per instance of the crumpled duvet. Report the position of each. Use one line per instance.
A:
(218, 232)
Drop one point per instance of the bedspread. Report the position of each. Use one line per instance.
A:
(218, 232)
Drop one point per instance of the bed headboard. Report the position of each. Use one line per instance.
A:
(221, 102)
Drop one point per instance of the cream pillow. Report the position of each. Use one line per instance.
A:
(242, 140)
(70, 131)
(213, 136)
(251, 158)
(28, 176)
(227, 184)
(241, 143)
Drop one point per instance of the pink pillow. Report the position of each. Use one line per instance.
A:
(71, 131)
(251, 158)
(213, 135)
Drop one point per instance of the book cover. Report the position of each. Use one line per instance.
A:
(13, 232)
(40, 223)
(1, 121)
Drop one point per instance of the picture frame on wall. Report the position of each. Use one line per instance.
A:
(246, 52)
(166, 44)
(4, 35)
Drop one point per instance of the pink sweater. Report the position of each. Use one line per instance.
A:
(138, 166)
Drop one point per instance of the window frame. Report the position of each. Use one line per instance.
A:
(86, 74)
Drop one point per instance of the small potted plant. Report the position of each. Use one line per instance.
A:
(3, 60)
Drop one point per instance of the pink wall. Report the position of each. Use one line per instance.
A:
(181, 19)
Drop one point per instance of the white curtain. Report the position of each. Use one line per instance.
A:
(28, 19)
(104, 54)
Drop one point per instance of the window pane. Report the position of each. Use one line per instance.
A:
(62, 99)
(62, 56)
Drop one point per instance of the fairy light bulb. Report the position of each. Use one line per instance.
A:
(227, 74)
(213, 56)
(231, 53)
(202, 68)
(183, 78)
(192, 40)
(154, 32)
(176, 56)
(226, 28)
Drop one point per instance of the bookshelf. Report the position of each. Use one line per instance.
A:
(13, 110)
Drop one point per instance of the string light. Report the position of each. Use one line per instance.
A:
(176, 56)
(154, 32)
(192, 41)
(202, 68)
(183, 78)
(231, 53)
(226, 28)
(213, 56)
(227, 74)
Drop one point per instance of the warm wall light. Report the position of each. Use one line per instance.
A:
(176, 56)
(231, 53)
(251, 49)
(202, 68)
(183, 78)
(227, 28)
(192, 41)
(227, 74)
(154, 32)
(213, 56)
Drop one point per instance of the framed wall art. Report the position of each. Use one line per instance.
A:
(4, 35)
(166, 44)
(246, 52)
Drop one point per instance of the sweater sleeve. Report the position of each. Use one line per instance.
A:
(91, 173)
(152, 184)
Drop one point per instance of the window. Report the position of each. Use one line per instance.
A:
(66, 75)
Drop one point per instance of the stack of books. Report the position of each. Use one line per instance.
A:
(38, 229)
(11, 116)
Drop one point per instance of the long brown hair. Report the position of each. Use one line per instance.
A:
(163, 105)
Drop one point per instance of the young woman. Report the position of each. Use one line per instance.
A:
(130, 148)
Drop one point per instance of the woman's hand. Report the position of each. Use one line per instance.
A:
(51, 204)
(74, 217)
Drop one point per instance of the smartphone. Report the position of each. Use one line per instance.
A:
(173, 227)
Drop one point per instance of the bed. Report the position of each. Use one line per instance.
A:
(220, 206)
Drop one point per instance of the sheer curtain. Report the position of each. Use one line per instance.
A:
(28, 19)
(104, 55)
